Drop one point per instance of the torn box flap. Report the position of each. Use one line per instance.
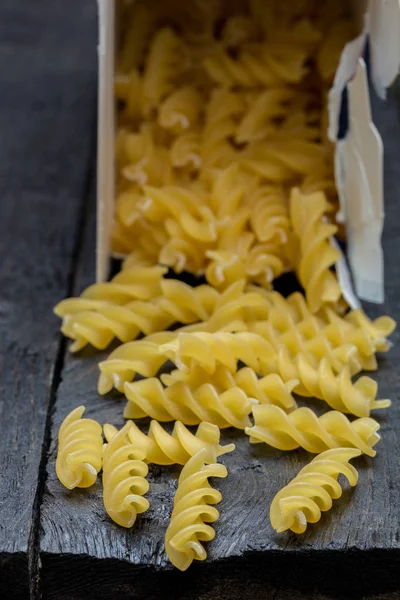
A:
(347, 67)
(384, 35)
(380, 22)
(362, 154)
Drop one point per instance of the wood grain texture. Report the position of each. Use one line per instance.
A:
(47, 82)
(354, 552)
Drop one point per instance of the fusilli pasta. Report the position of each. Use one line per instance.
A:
(225, 348)
(338, 391)
(166, 62)
(179, 402)
(317, 254)
(270, 389)
(192, 512)
(124, 482)
(312, 490)
(163, 448)
(79, 456)
(302, 428)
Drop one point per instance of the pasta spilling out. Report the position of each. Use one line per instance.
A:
(224, 178)
(79, 457)
(124, 477)
(312, 490)
(193, 511)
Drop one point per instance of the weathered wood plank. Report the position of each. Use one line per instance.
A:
(353, 553)
(47, 81)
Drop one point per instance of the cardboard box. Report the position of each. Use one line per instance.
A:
(358, 157)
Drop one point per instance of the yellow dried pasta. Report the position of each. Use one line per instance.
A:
(302, 428)
(124, 478)
(224, 348)
(166, 62)
(180, 402)
(317, 254)
(192, 512)
(162, 448)
(312, 490)
(318, 380)
(270, 389)
(181, 110)
(79, 456)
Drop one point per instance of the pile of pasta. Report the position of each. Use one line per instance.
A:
(222, 114)
(224, 171)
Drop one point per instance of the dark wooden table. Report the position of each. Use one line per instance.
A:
(61, 545)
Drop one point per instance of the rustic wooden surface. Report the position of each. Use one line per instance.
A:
(61, 545)
(47, 99)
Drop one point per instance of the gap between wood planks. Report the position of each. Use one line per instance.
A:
(34, 566)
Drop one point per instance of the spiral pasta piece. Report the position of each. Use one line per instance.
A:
(312, 490)
(269, 105)
(303, 429)
(314, 349)
(126, 208)
(181, 110)
(98, 327)
(379, 329)
(269, 217)
(104, 310)
(282, 161)
(79, 456)
(102, 321)
(270, 389)
(317, 254)
(124, 483)
(259, 263)
(178, 447)
(337, 390)
(142, 159)
(225, 348)
(139, 283)
(340, 332)
(254, 66)
(141, 357)
(181, 253)
(186, 152)
(228, 187)
(179, 402)
(166, 62)
(192, 512)
(196, 219)
(222, 113)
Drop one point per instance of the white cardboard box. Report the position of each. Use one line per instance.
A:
(358, 160)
